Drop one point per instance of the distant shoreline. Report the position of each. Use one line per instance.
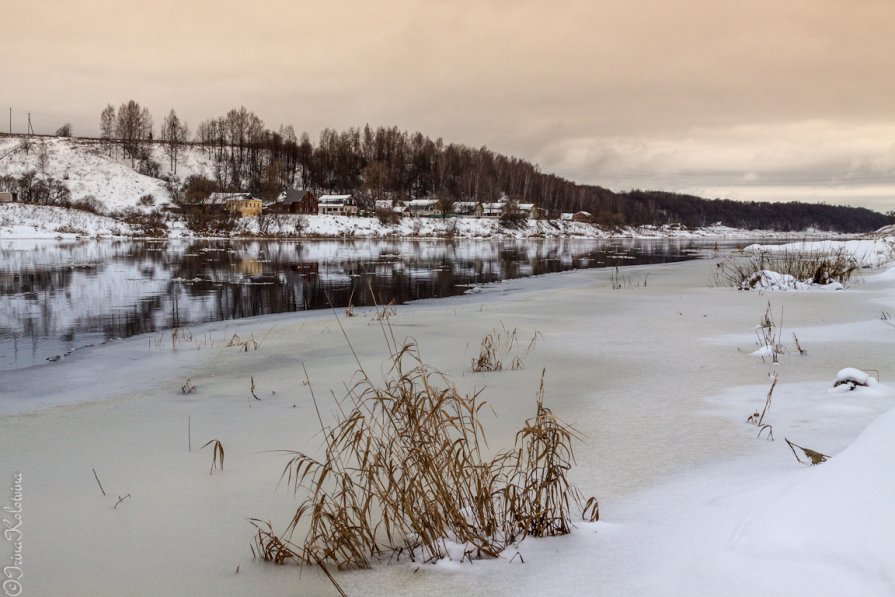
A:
(27, 221)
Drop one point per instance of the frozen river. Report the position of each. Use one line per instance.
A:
(57, 296)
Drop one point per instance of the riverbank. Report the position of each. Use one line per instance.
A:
(25, 221)
(657, 377)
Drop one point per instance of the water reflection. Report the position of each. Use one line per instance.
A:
(56, 296)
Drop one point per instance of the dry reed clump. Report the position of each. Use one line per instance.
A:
(402, 474)
(497, 347)
(769, 335)
(743, 271)
(385, 312)
(237, 342)
(538, 498)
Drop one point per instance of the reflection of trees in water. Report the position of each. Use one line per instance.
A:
(144, 287)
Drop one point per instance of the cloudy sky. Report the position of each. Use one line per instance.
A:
(758, 99)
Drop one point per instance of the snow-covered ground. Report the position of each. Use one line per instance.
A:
(871, 252)
(657, 377)
(21, 221)
(89, 169)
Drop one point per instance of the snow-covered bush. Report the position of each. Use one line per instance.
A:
(850, 378)
(787, 270)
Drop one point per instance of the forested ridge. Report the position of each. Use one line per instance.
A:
(388, 163)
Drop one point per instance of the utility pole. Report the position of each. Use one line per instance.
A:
(10, 121)
(30, 130)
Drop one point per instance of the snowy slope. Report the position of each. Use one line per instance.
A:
(20, 220)
(87, 169)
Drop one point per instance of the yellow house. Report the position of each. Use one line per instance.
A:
(246, 208)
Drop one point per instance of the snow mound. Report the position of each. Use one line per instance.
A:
(866, 253)
(770, 280)
(850, 378)
(839, 512)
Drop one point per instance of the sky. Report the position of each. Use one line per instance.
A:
(775, 100)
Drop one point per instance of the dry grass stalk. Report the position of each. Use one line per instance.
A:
(769, 334)
(813, 457)
(238, 342)
(349, 310)
(98, 483)
(385, 312)
(757, 418)
(539, 496)
(802, 351)
(402, 474)
(815, 267)
(619, 281)
(767, 401)
(217, 454)
(496, 348)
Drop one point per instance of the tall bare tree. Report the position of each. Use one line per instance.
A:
(133, 125)
(107, 125)
(174, 134)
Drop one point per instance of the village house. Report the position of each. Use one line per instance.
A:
(6, 197)
(582, 216)
(295, 201)
(468, 208)
(386, 204)
(336, 205)
(531, 210)
(242, 204)
(247, 207)
(493, 210)
(422, 208)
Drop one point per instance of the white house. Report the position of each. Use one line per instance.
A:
(468, 208)
(385, 204)
(336, 205)
(423, 207)
(493, 210)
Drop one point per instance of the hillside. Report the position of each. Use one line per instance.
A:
(375, 164)
(87, 169)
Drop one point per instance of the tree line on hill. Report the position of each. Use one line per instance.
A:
(387, 163)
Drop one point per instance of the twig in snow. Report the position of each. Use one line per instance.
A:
(98, 483)
(121, 499)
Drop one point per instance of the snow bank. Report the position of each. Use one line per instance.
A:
(866, 253)
(24, 221)
(775, 281)
(839, 512)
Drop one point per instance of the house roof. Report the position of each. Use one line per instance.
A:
(333, 198)
(216, 198)
(422, 203)
(294, 196)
